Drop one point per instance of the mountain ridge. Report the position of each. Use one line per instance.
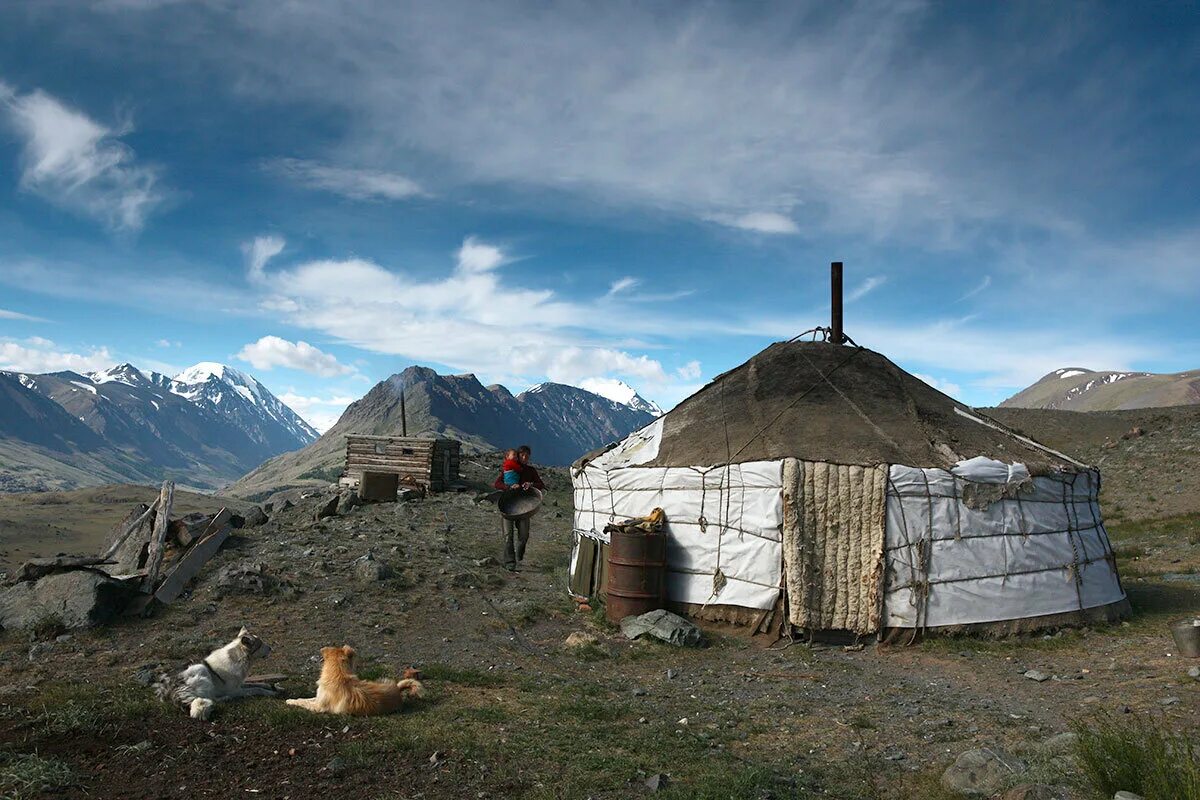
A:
(1083, 389)
(123, 424)
(557, 421)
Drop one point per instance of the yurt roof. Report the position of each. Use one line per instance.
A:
(836, 403)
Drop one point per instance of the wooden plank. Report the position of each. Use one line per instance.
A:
(130, 527)
(381, 460)
(193, 561)
(36, 568)
(158, 538)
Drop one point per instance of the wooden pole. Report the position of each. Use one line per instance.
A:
(158, 539)
(835, 301)
(403, 416)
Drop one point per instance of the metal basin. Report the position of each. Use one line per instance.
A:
(519, 503)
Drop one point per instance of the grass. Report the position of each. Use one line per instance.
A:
(65, 709)
(1138, 756)
(24, 775)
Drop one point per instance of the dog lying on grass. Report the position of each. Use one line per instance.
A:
(219, 677)
(339, 690)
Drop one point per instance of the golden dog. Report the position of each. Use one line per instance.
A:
(339, 690)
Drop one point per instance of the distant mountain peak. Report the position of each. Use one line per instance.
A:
(122, 373)
(621, 392)
(202, 372)
(1081, 389)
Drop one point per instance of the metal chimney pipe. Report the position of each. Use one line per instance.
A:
(403, 416)
(835, 302)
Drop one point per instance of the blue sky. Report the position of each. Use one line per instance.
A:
(323, 193)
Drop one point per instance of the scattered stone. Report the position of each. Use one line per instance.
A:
(1031, 791)
(1059, 745)
(1037, 675)
(1169, 701)
(981, 773)
(350, 500)
(487, 562)
(1123, 795)
(369, 569)
(1194, 672)
(79, 599)
(657, 782)
(639, 691)
(581, 639)
(246, 577)
(146, 674)
(462, 579)
(336, 765)
(286, 505)
(672, 674)
(255, 517)
(662, 624)
(327, 509)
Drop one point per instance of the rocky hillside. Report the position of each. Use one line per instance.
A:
(203, 428)
(1077, 389)
(559, 422)
(1149, 459)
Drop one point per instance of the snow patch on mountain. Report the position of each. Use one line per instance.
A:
(620, 392)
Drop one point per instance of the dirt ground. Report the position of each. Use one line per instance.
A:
(515, 713)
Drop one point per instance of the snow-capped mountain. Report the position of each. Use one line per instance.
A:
(235, 394)
(1079, 389)
(620, 392)
(206, 426)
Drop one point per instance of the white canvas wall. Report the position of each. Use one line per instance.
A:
(742, 511)
(1044, 551)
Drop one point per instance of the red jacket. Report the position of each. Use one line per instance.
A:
(528, 475)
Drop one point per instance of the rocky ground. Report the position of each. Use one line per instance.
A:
(515, 712)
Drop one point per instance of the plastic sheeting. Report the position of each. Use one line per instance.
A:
(1042, 551)
(723, 524)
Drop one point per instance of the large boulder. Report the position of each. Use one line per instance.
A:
(79, 599)
(662, 624)
(255, 517)
(246, 577)
(982, 772)
(369, 569)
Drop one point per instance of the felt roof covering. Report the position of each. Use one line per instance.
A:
(840, 404)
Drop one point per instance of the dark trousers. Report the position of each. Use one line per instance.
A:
(516, 536)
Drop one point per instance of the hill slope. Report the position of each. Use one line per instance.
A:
(559, 422)
(1077, 389)
(207, 426)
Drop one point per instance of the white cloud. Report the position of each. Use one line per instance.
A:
(259, 251)
(357, 184)
(622, 284)
(36, 354)
(75, 162)
(17, 315)
(471, 319)
(946, 387)
(760, 222)
(168, 343)
(476, 256)
(320, 412)
(689, 371)
(272, 351)
(983, 285)
(870, 284)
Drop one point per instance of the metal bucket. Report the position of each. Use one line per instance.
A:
(519, 503)
(637, 571)
(1186, 633)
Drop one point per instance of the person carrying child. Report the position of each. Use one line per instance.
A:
(516, 531)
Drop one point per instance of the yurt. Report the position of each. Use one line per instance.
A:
(818, 487)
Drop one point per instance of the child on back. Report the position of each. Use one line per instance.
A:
(511, 470)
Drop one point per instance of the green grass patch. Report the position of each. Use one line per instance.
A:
(64, 709)
(1138, 756)
(24, 775)
(462, 677)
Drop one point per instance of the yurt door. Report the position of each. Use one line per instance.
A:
(833, 545)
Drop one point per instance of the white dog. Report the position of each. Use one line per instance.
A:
(219, 677)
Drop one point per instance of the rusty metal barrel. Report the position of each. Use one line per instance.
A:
(637, 572)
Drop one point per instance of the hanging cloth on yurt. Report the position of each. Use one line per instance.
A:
(833, 541)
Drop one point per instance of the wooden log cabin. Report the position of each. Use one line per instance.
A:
(432, 463)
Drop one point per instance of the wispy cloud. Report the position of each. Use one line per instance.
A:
(73, 161)
(272, 351)
(866, 287)
(759, 222)
(621, 285)
(356, 184)
(259, 251)
(983, 285)
(36, 354)
(17, 315)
